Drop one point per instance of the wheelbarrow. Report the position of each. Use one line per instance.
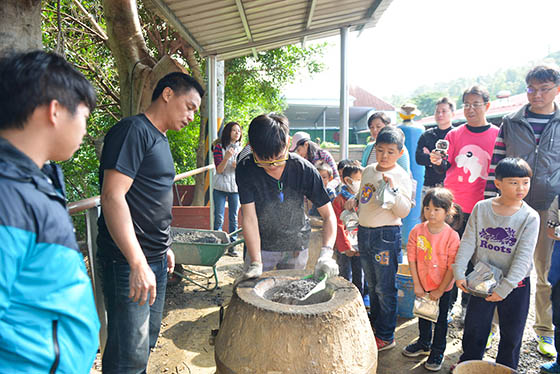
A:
(201, 254)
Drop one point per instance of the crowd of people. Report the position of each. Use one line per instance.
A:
(489, 200)
(489, 197)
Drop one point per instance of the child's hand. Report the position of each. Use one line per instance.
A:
(389, 180)
(419, 291)
(462, 285)
(351, 252)
(435, 294)
(350, 204)
(551, 233)
(494, 298)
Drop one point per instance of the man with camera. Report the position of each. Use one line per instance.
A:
(432, 141)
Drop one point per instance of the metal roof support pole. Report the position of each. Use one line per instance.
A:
(221, 85)
(212, 74)
(325, 125)
(344, 111)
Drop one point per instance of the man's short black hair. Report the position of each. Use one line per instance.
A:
(448, 101)
(180, 83)
(268, 135)
(543, 74)
(477, 90)
(382, 116)
(32, 79)
(391, 135)
(513, 167)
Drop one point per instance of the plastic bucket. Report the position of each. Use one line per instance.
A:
(405, 292)
(479, 366)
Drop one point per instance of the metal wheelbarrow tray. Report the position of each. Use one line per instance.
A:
(201, 254)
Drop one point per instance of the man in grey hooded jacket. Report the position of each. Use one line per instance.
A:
(530, 133)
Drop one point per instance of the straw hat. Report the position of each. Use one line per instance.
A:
(408, 111)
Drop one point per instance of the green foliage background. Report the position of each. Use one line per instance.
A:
(253, 85)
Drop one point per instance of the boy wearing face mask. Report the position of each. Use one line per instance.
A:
(347, 255)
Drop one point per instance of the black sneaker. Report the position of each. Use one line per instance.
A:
(231, 253)
(434, 362)
(415, 349)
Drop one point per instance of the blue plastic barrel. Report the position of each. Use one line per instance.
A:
(412, 133)
(405, 292)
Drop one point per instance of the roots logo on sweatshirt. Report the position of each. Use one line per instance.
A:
(498, 239)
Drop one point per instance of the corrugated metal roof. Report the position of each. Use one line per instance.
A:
(233, 28)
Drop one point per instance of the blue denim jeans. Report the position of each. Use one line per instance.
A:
(220, 206)
(350, 268)
(380, 248)
(132, 329)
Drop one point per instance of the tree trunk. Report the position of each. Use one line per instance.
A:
(134, 60)
(20, 25)
(201, 153)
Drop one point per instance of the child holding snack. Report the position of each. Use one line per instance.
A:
(431, 249)
(501, 232)
(346, 245)
(384, 199)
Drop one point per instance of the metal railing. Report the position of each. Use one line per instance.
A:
(92, 208)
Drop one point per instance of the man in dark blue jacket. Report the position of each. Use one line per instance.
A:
(48, 322)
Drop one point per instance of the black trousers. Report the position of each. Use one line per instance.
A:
(512, 313)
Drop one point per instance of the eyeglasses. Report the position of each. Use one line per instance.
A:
(263, 164)
(473, 105)
(542, 90)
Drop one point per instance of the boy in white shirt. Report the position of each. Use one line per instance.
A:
(379, 233)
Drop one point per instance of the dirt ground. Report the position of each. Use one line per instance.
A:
(191, 313)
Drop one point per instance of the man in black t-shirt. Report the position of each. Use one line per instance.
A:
(136, 176)
(272, 184)
(427, 143)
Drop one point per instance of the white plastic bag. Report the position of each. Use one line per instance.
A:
(385, 196)
(483, 279)
(426, 308)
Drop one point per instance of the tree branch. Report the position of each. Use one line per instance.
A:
(188, 54)
(110, 91)
(92, 20)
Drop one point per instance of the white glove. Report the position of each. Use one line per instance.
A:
(253, 271)
(326, 264)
